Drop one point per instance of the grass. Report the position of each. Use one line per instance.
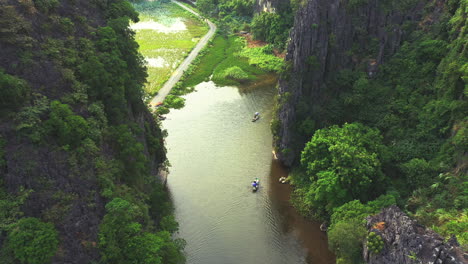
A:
(264, 58)
(172, 47)
(221, 54)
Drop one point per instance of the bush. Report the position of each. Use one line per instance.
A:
(418, 173)
(32, 241)
(173, 101)
(68, 128)
(14, 93)
(46, 5)
(263, 58)
(346, 241)
(374, 243)
(235, 73)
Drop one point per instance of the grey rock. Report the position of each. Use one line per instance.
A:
(407, 242)
(324, 33)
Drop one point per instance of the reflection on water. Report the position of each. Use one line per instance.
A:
(216, 151)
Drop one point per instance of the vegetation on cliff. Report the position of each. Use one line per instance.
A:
(79, 152)
(414, 104)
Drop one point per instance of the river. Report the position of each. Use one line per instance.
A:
(215, 152)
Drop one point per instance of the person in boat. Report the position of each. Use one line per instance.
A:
(255, 183)
(256, 115)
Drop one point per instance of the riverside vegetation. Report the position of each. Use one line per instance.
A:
(227, 60)
(78, 149)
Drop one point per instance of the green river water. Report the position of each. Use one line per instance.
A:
(216, 151)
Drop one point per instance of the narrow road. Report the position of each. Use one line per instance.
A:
(177, 74)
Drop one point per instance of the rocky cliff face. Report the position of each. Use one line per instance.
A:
(407, 242)
(333, 35)
(40, 45)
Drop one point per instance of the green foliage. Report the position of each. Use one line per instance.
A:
(29, 119)
(15, 28)
(15, 92)
(233, 46)
(418, 173)
(121, 8)
(374, 243)
(68, 128)
(32, 241)
(271, 27)
(418, 101)
(130, 153)
(235, 73)
(173, 101)
(10, 206)
(263, 58)
(123, 239)
(46, 5)
(343, 164)
(119, 235)
(346, 241)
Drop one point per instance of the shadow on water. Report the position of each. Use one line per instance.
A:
(307, 231)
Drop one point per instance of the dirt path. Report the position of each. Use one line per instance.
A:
(177, 74)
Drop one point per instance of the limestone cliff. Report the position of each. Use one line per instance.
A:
(333, 35)
(407, 242)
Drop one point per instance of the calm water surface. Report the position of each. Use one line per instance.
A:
(215, 152)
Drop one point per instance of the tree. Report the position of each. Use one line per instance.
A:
(14, 91)
(343, 164)
(123, 240)
(346, 241)
(32, 241)
(70, 129)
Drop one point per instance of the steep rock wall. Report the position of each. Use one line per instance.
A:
(329, 36)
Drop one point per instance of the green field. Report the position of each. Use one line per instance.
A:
(166, 34)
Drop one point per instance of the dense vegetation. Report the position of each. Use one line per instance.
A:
(239, 15)
(78, 149)
(402, 134)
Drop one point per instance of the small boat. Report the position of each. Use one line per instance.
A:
(256, 116)
(255, 185)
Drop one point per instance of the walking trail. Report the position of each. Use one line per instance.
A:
(177, 74)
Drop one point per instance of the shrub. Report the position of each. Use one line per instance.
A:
(173, 101)
(46, 5)
(374, 243)
(235, 73)
(14, 92)
(70, 129)
(346, 241)
(418, 173)
(32, 241)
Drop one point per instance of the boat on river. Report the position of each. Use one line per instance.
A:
(255, 185)
(256, 116)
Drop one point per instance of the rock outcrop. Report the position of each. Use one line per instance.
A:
(407, 242)
(330, 36)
